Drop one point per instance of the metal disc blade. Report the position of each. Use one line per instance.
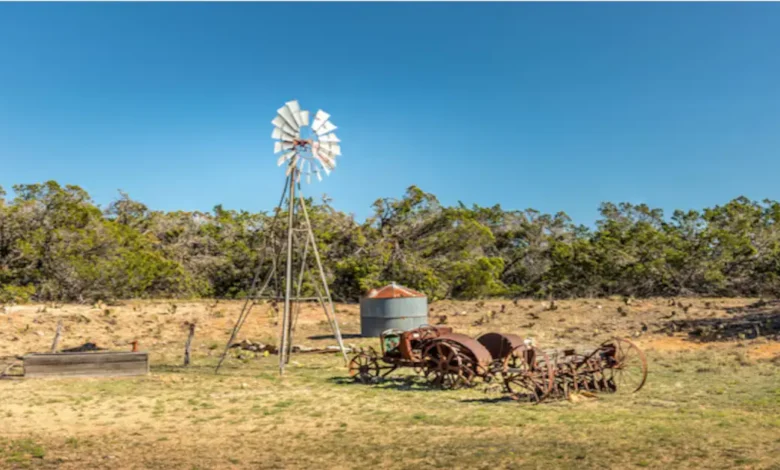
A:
(278, 121)
(319, 119)
(319, 176)
(326, 128)
(277, 133)
(304, 118)
(277, 147)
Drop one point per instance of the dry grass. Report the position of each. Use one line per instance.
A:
(711, 405)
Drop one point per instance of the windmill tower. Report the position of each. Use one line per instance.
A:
(306, 150)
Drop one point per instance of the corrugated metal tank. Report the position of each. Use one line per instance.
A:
(392, 306)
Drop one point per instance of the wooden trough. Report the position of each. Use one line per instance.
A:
(86, 364)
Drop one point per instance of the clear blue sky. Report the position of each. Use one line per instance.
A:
(550, 106)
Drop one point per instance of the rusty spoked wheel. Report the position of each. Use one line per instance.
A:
(447, 366)
(364, 368)
(528, 374)
(624, 365)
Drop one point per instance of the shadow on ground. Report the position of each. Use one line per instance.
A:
(410, 383)
(757, 320)
(343, 336)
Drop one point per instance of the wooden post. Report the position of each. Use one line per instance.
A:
(188, 346)
(56, 337)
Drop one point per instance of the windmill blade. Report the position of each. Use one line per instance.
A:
(282, 135)
(319, 176)
(278, 121)
(277, 147)
(326, 128)
(285, 113)
(285, 157)
(323, 165)
(286, 128)
(304, 118)
(330, 138)
(295, 110)
(333, 148)
(330, 162)
(326, 162)
(293, 106)
(327, 153)
(319, 119)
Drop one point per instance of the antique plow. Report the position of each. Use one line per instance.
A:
(451, 361)
(616, 365)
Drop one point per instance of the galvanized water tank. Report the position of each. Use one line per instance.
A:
(392, 306)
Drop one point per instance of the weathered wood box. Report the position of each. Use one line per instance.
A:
(86, 364)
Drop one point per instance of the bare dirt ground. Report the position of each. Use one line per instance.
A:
(710, 403)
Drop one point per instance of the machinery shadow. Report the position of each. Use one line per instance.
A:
(402, 384)
(343, 336)
(757, 320)
(490, 400)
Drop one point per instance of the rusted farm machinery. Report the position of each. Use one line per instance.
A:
(451, 360)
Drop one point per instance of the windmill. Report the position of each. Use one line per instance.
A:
(305, 150)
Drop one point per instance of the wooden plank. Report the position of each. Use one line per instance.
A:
(86, 364)
(87, 370)
(85, 358)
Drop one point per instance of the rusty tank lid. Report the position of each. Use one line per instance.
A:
(393, 291)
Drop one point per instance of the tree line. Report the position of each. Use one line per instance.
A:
(56, 244)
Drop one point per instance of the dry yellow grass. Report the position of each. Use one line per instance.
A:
(712, 405)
